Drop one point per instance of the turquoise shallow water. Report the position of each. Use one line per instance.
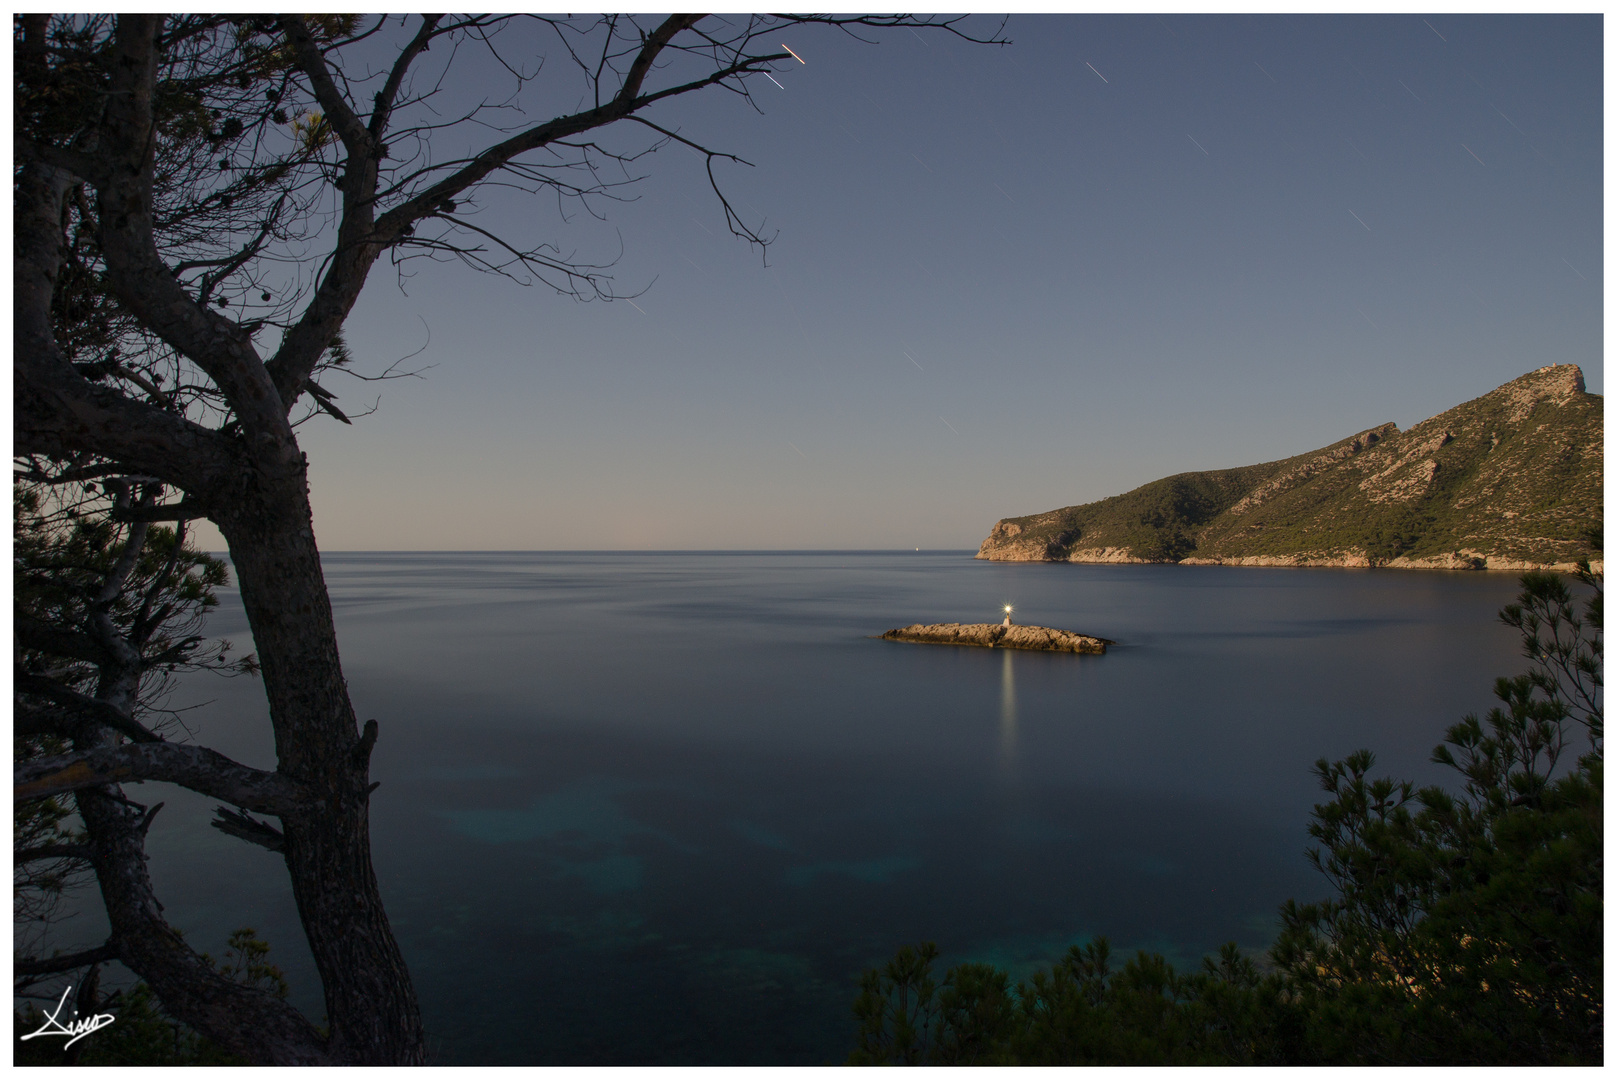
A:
(664, 808)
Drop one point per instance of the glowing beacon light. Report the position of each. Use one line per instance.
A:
(1007, 614)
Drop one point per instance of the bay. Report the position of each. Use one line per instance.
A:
(664, 808)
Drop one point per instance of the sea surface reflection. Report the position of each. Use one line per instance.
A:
(664, 808)
(1007, 714)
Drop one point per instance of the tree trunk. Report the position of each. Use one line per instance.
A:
(370, 1003)
(245, 1020)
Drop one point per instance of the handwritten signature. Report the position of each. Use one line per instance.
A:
(76, 1029)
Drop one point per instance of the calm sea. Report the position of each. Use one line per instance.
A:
(665, 808)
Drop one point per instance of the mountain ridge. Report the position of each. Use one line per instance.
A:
(1511, 480)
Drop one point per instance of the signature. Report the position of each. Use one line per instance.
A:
(77, 1029)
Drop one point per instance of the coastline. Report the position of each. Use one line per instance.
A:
(1463, 560)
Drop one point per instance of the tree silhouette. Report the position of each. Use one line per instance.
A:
(199, 201)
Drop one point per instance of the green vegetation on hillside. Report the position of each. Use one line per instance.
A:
(1514, 476)
(1466, 927)
(1161, 520)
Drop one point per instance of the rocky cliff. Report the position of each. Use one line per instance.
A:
(1511, 480)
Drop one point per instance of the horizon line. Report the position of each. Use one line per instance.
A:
(636, 551)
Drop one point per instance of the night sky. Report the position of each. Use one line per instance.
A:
(1005, 280)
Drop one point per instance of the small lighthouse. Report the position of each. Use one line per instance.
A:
(1007, 615)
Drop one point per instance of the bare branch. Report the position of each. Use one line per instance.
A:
(56, 410)
(325, 399)
(184, 510)
(194, 767)
(731, 219)
(654, 45)
(56, 964)
(50, 851)
(395, 78)
(139, 277)
(79, 707)
(33, 634)
(250, 829)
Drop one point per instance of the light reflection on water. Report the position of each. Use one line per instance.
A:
(663, 808)
(1007, 716)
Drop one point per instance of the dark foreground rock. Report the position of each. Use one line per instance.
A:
(996, 635)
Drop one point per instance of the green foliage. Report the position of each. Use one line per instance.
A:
(1466, 927)
(1172, 512)
(1159, 520)
(63, 551)
(1394, 533)
(1564, 646)
(1079, 1012)
(66, 549)
(245, 962)
(61, 556)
